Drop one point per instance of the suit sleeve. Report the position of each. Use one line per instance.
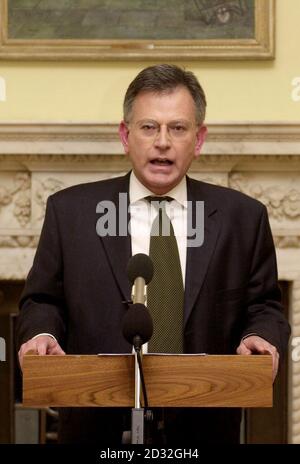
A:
(264, 310)
(42, 305)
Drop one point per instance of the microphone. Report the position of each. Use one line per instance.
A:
(140, 273)
(137, 330)
(137, 325)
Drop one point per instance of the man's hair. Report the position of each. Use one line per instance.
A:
(165, 78)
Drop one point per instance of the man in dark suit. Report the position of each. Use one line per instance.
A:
(74, 296)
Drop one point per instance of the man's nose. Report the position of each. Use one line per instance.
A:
(162, 139)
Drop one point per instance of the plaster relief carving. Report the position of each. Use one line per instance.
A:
(22, 208)
(31, 241)
(18, 197)
(47, 187)
(281, 203)
(5, 197)
(287, 241)
(19, 241)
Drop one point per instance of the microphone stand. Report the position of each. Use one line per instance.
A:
(137, 413)
(140, 272)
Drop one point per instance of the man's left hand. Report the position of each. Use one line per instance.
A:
(257, 345)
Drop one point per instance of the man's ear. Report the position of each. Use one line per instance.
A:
(123, 134)
(201, 136)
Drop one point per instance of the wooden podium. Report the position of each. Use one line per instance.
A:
(171, 380)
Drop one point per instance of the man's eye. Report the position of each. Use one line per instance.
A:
(178, 129)
(148, 130)
(148, 127)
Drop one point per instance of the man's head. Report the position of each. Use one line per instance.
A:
(165, 78)
(163, 131)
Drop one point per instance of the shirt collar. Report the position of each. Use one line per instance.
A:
(138, 191)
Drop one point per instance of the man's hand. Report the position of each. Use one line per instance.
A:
(40, 345)
(257, 345)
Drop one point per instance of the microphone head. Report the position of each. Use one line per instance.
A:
(140, 265)
(137, 321)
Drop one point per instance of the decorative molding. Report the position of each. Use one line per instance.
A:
(278, 138)
(5, 197)
(20, 196)
(46, 187)
(281, 203)
(19, 241)
(207, 159)
(31, 240)
(288, 241)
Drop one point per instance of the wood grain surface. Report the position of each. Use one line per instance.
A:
(176, 380)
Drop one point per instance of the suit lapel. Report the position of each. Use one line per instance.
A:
(118, 248)
(198, 258)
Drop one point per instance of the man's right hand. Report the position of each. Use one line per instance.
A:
(41, 345)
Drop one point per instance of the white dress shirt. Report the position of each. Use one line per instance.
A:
(142, 214)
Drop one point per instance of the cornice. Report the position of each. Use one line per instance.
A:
(230, 138)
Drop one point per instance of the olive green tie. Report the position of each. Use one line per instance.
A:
(165, 292)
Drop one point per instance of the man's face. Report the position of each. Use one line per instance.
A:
(162, 138)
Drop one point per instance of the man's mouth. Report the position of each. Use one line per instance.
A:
(161, 162)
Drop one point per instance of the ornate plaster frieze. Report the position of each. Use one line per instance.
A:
(282, 201)
(45, 188)
(19, 241)
(287, 241)
(31, 241)
(18, 195)
(290, 161)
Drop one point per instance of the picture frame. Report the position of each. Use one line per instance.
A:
(259, 43)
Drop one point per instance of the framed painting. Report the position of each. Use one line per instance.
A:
(136, 29)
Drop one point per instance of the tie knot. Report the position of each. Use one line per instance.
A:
(158, 202)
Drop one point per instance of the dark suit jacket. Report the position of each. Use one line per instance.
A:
(78, 283)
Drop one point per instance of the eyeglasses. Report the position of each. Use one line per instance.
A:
(175, 129)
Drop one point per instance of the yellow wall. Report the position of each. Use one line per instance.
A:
(236, 91)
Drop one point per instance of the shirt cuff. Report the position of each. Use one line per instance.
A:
(44, 333)
(250, 335)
